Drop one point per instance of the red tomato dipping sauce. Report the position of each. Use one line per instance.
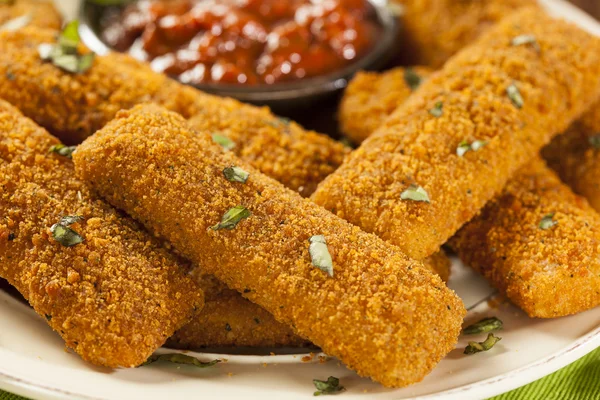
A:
(244, 41)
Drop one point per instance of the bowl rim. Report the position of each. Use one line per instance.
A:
(302, 88)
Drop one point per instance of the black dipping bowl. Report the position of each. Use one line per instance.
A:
(280, 97)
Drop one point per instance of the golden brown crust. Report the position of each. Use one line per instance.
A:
(371, 97)
(434, 30)
(375, 288)
(43, 13)
(414, 147)
(116, 297)
(576, 160)
(75, 106)
(228, 320)
(548, 273)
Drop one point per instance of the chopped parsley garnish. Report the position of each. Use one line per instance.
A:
(224, 141)
(488, 343)
(319, 254)
(232, 217)
(412, 79)
(525, 40)
(11, 237)
(330, 386)
(485, 325)
(595, 141)
(65, 54)
(236, 174)
(62, 232)
(437, 110)
(547, 222)
(465, 147)
(16, 23)
(62, 150)
(415, 193)
(515, 95)
(178, 358)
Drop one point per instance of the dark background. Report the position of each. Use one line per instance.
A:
(591, 6)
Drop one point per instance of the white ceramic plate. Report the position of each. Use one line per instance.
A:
(34, 361)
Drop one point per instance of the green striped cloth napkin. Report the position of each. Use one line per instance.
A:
(578, 381)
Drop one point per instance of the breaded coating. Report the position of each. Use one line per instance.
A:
(439, 263)
(511, 98)
(228, 319)
(43, 13)
(538, 243)
(575, 156)
(382, 314)
(434, 30)
(75, 106)
(371, 97)
(114, 298)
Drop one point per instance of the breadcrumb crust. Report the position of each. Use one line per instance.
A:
(575, 158)
(413, 146)
(434, 30)
(75, 106)
(546, 272)
(116, 297)
(382, 314)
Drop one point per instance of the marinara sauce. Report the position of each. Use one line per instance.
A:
(244, 41)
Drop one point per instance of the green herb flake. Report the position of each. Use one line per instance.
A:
(236, 174)
(62, 150)
(488, 343)
(16, 23)
(523, 40)
(484, 326)
(595, 141)
(63, 234)
(464, 147)
(437, 110)
(412, 79)
(65, 54)
(319, 254)
(415, 193)
(330, 386)
(515, 95)
(232, 217)
(48, 317)
(224, 141)
(178, 358)
(547, 222)
(11, 237)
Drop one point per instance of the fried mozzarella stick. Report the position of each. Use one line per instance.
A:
(538, 243)
(458, 139)
(74, 106)
(351, 294)
(547, 270)
(105, 285)
(371, 97)
(40, 13)
(575, 156)
(116, 81)
(434, 30)
(228, 319)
